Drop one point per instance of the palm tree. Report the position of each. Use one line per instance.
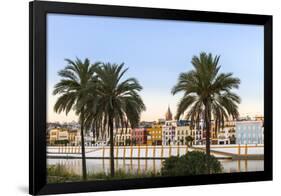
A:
(72, 89)
(206, 94)
(116, 103)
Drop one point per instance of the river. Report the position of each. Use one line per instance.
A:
(144, 165)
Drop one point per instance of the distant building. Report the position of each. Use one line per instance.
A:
(63, 135)
(53, 135)
(197, 133)
(72, 135)
(139, 136)
(154, 135)
(249, 132)
(161, 121)
(181, 134)
(146, 124)
(259, 118)
(123, 136)
(168, 132)
(226, 135)
(58, 135)
(88, 139)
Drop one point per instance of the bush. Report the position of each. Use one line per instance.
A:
(193, 163)
(59, 173)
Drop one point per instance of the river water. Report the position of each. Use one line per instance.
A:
(144, 165)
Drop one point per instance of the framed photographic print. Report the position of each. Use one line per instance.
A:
(132, 97)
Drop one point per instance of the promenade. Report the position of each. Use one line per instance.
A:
(252, 152)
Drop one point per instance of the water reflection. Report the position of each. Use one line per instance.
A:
(148, 165)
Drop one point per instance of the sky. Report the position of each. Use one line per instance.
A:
(156, 52)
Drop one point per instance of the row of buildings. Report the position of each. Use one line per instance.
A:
(164, 132)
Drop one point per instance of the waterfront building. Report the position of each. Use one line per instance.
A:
(249, 132)
(154, 135)
(63, 135)
(53, 135)
(139, 136)
(168, 132)
(197, 134)
(213, 133)
(58, 136)
(71, 136)
(123, 136)
(226, 135)
(88, 139)
(148, 137)
(181, 134)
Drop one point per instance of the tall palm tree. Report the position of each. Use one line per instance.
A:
(117, 102)
(206, 94)
(72, 89)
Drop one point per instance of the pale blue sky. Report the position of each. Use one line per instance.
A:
(156, 51)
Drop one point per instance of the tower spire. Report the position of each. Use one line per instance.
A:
(169, 115)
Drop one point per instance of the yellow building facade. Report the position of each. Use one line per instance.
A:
(57, 134)
(155, 133)
(53, 136)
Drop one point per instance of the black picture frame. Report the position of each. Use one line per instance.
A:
(37, 96)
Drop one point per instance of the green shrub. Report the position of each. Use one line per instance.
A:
(193, 163)
(59, 173)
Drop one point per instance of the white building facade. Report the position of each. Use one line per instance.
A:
(169, 132)
(249, 132)
(123, 136)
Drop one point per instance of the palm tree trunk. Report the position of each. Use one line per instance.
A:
(207, 123)
(84, 169)
(111, 147)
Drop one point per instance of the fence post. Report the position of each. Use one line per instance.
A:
(102, 152)
(124, 152)
(246, 149)
(146, 151)
(239, 149)
(138, 151)
(186, 149)
(178, 150)
(162, 151)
